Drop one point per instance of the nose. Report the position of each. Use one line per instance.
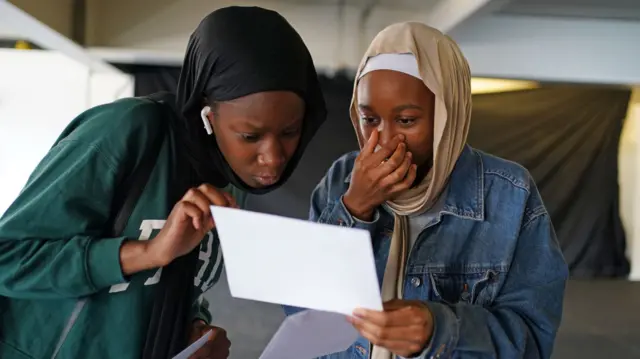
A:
(385, 135)
(272, 156)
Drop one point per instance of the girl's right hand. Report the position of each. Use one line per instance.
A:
(378, 176)
(188, 223)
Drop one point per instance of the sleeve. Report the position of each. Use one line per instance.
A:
(200, 310)
(524, 319)
(326, 210)
(50, 237)
(327, 203)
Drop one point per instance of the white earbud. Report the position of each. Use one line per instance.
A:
(205, 119)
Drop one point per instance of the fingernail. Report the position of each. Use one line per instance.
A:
(401, 137)
(359, 312)
(409, 154)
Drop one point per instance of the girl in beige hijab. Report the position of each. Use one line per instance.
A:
(467, 258)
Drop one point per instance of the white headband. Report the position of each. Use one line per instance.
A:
(405, 63)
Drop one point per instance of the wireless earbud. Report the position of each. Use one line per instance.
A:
(205, 119)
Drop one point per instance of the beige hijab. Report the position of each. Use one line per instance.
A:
(445, 72)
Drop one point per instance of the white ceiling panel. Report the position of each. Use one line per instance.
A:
(594, 9)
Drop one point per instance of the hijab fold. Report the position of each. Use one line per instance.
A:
(445, 72)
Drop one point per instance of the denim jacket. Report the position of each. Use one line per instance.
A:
(488, 265)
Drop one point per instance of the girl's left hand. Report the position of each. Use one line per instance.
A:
(218, 345)
(404, 327)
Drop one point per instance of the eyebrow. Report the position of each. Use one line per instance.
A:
(406, 107)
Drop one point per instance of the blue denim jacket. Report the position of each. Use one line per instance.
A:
(488, 265)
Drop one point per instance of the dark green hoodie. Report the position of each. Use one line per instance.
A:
(53, 253)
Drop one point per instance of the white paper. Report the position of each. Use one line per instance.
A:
(185, 354)
(310, 334)
(298, 263)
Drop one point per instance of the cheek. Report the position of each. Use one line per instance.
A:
(421, 147)
(237, 151)
(366, 131)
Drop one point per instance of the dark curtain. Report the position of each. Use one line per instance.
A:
(567, 136)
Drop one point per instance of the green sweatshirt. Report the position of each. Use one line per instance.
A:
(53, 253)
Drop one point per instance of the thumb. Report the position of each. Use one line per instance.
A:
(394, 304)
(215, 332)
(232, 201)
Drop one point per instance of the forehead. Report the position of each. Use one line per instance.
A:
(264, 109)
(390, 86)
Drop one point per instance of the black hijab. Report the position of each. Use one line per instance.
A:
(234, 52)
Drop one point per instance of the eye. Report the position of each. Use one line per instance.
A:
(250, 137)
(406, 121)
(369, 121)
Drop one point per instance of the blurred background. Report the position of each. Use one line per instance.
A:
(556, 88)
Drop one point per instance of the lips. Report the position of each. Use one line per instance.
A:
(267, 180)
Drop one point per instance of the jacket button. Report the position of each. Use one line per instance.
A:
(415, 282)
(361, 349)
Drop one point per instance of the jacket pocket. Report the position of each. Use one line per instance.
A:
(473, 287)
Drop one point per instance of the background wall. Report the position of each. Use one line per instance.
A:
(57, 14)
(40, 93)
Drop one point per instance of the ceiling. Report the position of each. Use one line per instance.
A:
(418, 5)
(593, 9)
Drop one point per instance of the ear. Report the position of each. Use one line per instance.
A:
(206, 116)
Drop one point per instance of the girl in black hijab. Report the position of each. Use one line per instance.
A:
(247, 104)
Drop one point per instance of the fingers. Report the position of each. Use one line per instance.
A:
(215, 196)
(196, 197)
(406, 183)
(397, 171)
(382, 319)
(232, 201)
(404, 327)
(197, 201)
(375, 159)
(198, 218)
(409, 339)
(372, 142)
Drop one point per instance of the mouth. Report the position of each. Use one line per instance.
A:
(267, 180)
